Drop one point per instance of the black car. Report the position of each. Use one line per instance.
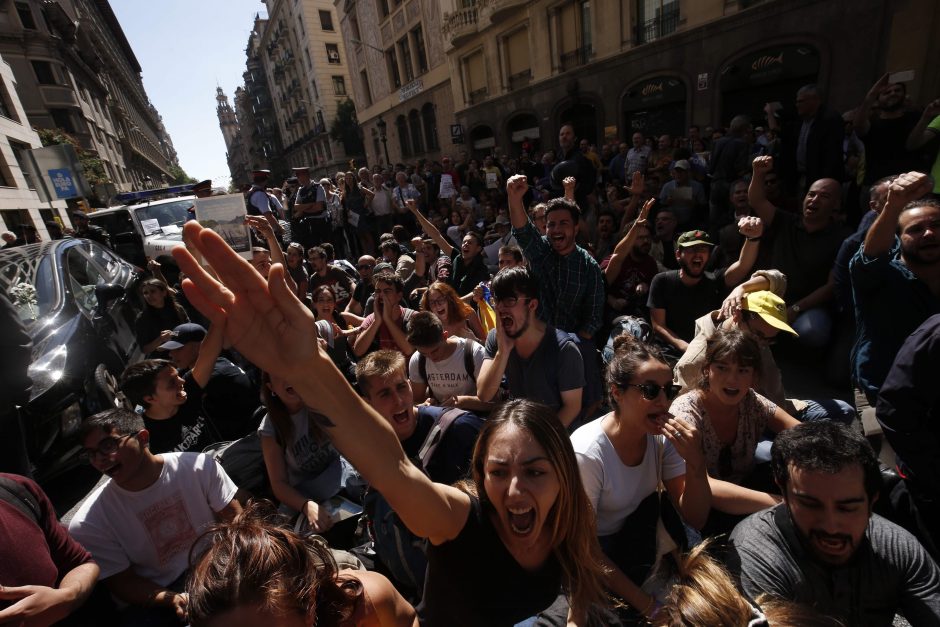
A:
(78, 301)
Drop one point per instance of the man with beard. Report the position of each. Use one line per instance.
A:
(885, 134)
(586, 176)
(823, 547)
(804, 248)
(630, 269)
(678, 297)
(606, 236)
(895, 278)
(571, 287)
(322, 273)
(540, 363)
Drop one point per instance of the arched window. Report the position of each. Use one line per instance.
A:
(414, 122)
(402, 125)
(430, 126)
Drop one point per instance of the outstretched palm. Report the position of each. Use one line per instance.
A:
(265, 321)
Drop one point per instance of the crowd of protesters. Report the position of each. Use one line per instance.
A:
(535, 389)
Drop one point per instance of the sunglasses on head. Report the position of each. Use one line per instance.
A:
(650, 391)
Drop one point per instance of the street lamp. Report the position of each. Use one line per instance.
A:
(382, 126)
(359, 42)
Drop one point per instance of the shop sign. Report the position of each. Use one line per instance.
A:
(410, 90)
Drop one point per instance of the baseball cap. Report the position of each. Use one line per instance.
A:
(770, 308)
(681, 164)
(694, 238)
(183, 334)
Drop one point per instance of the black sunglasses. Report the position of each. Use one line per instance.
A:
(650, 391)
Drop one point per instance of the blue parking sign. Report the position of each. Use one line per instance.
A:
(63, 182)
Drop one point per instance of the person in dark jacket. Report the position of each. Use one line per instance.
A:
(15, 386)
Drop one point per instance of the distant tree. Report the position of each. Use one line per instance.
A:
(346, 129)
(92, 166)
(179, 177)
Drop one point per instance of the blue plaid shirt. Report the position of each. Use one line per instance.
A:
(571, 288)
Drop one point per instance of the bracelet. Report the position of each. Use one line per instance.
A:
(754, 239)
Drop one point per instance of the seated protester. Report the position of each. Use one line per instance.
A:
(439, 266)
(343, 264)
(296, 269)
(322, 273)
(630, 269)
(540, 363)
(679, 297)
(909, 413)
(732, 418)
(756, 306)
(443, 369)
(142, 522)
(255, 572)
(47, 576)
(364, 287)
(154, 324)
(385, 327)
(684, 195)
(222, 389)
(384, 385)
(804, 248)
(623, 457)
(332, 327)
(173, 418)
(823, 547)
(665, 234)
(468, 266)
(304, 469)
(393, 253)
(459, 318)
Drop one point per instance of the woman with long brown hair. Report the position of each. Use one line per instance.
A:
(161, 314)
(527, 512)
(458, 317)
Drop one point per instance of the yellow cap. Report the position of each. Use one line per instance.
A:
(770, 308)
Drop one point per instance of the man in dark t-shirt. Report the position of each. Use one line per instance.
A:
(173, 417)
(679, 297)
(885, 135)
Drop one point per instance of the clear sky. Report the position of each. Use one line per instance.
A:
(185, 50)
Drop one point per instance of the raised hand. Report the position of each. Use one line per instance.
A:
(569, 183)
(877, 88)
(751, 227)
(264, 319)
(637, 185)
(762, 165)
(908, 187)
(645, 211)
(516, 187)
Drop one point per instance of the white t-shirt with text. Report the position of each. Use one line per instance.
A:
(449, 377)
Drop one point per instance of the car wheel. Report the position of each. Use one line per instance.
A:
(107, 389)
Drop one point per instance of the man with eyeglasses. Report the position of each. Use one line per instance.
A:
(540, 363)
(141, 523)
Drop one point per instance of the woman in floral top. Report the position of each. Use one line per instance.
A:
(732, 417)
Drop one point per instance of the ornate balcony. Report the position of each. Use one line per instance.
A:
(460, 25)
(492, 11)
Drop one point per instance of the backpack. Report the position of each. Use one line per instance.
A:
(468, 364)
(18, 496)
(402, 552)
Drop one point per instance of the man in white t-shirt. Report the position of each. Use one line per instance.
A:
(443, 369)
(141, 524)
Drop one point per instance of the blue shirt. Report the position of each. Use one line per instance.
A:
(890, 303)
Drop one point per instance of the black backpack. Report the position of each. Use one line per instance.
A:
(468, 364)
(18, 496)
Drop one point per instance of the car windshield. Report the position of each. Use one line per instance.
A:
(27, 278)
(166, 214)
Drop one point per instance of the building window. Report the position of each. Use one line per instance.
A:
(474, 78)
(366, 90)
(429, 119)
(6, 104)
(417, 36)
(307, 55)
(402, 125)
(414, 123)
(19, 151)
(326, 20)
(321, 125)
(518, 66)
(404, 51)
(339, 85)
(332, 53)
(573, 27)
(62, 118)
(44, 73)
(383, 7)
(655, 19)
(392, 62)
(354, 27)
(26, 15)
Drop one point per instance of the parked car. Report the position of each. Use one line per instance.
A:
(148, 230)
(78, 301)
